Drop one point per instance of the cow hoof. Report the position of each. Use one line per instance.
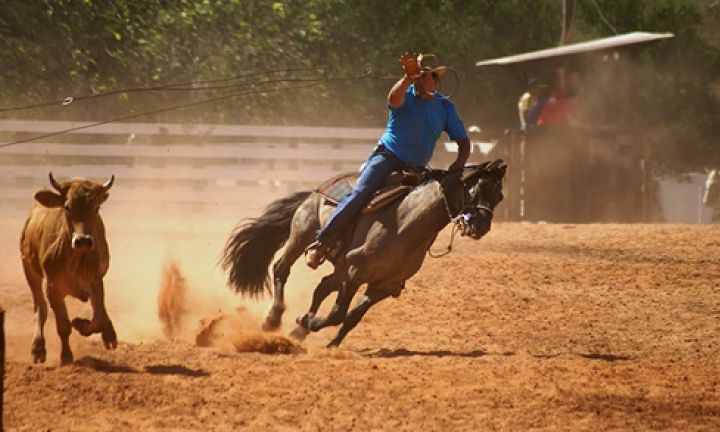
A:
(66, 358)
(82, 326)
(109, 339)
(38, 351)
(299, 333)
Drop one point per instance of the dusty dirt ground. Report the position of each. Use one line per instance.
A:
(534, 327)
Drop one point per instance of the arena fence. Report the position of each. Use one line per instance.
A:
(200, 168)
(193, 168)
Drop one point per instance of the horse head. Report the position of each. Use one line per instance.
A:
(482, 186)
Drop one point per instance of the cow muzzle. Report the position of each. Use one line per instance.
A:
(82, 241)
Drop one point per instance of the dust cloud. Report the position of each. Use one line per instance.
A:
(172, 300)
(163, 281)
(238, 329)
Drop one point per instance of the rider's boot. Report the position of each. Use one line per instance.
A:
(315, 255)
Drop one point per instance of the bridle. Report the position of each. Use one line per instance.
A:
(461, 219)
(464, 207)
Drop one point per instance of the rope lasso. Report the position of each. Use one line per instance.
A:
(456, 226)
(311, 83)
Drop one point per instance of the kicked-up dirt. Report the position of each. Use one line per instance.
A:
(534, 327)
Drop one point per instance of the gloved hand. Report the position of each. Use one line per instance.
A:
(410, 65)
(456, 166)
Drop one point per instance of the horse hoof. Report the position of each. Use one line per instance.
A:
(305, 320)
(299, 333)
(271, 324)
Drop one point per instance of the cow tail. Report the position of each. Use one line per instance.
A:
(253, 243)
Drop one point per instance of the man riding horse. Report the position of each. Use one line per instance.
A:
(418, 114)
(387, 242)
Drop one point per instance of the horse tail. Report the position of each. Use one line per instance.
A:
(253, 243)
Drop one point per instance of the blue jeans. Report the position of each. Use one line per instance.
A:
(378, 166)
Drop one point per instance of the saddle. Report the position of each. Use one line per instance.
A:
(397, 185)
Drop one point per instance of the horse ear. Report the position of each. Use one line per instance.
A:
(503, 169)
(472, 171)
(492, 166)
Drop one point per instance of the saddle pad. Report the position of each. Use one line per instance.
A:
(337, 187)
(385, 196)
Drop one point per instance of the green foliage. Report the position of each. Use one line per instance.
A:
(55, 48)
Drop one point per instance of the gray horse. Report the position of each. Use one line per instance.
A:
(385, 248)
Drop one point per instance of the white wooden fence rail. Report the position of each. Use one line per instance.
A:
(195, 167)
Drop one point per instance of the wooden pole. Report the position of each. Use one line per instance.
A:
(2, 365)
(568, 16)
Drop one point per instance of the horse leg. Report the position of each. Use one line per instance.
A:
(281, 272)
(327, 285)
(371, 297)
(339, 309)
(274, 315)
(302, 232)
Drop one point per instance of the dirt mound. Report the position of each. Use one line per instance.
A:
(238, 331)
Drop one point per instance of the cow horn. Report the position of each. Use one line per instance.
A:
(108, 184)
(54, 182)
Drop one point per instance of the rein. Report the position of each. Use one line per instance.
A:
(455, 229)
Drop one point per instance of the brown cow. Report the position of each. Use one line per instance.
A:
(64, 252)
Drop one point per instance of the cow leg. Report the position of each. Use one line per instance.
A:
(62, 323)
(100, 322)
(281, 272)
(40, 311)
(371, 297)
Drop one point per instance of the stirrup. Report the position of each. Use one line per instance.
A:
(315, 254)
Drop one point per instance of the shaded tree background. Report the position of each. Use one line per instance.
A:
(51, 49)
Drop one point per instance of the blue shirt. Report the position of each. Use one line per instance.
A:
(414, 127)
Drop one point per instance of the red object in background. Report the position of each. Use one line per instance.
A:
(557, 108)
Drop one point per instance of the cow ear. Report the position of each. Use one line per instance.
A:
(49, 199)
(103, 197)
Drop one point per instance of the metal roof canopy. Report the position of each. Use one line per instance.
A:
(578, 48)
